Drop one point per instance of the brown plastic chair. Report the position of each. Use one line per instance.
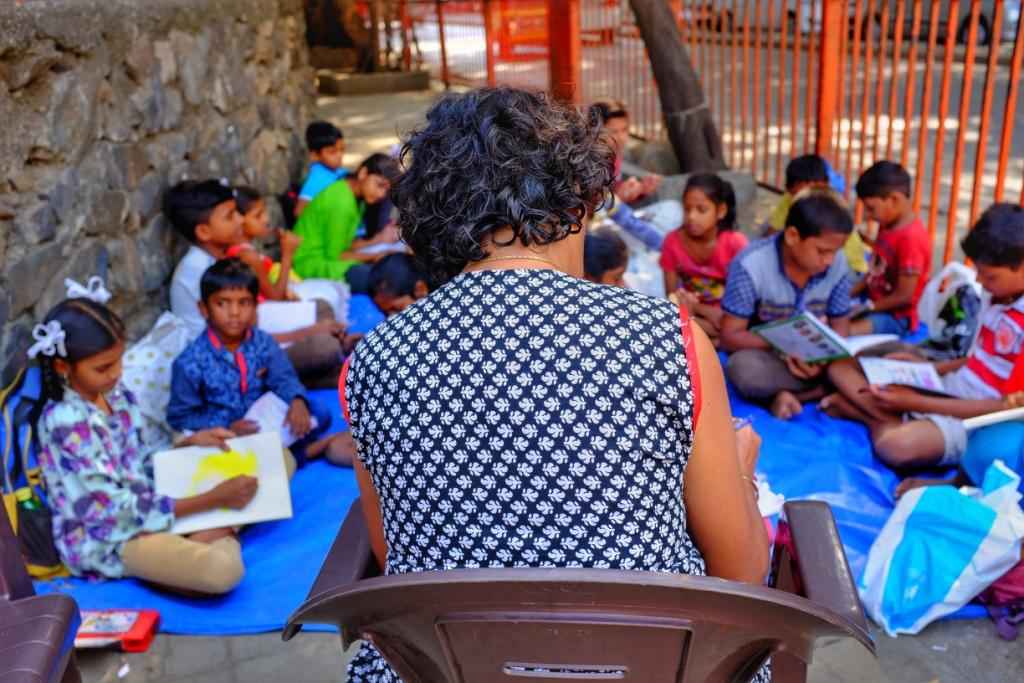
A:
(37, 632)
(479, 625)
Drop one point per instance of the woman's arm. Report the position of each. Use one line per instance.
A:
(721, 508)
(371, 510)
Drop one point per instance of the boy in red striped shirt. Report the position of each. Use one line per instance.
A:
(912, 429)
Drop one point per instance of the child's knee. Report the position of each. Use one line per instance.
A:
(905, 446)
(223, 569)
(746, 370)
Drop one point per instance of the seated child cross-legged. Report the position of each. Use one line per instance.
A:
(605, 258)
(108, 520)
(800, 269)
(223, 372)
(912, 429)
(902, 256)
(696, 257)
(328, 226)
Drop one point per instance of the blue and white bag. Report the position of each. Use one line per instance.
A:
(941, 547)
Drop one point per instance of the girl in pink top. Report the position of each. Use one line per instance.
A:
(695, 258)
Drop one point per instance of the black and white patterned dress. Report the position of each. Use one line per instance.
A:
(525, 418)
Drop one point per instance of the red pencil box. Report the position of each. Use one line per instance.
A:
(132, 630)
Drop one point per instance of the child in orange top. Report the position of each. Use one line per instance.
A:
(695, 258)
(256, 226)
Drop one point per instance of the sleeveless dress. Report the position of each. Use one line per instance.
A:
(525, 418)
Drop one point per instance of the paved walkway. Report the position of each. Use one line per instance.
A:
(954, 651)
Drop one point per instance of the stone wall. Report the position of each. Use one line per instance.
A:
(103, 105)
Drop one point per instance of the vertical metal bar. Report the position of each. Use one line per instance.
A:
(564, 49)
(855, 78)
(721, 71)
(445, 75)
(490, 12)
(908, 98)
(1009, 114)
(940, 133)
(808, 91)
(767, 146)
(832, 18)
(926, 106)
(894, 74)
(780, 117)
(794, 83)
(755, 98)
(876, 122)
(745, 95)
(840, 90)
(986, 107)
(733, 147)
(869, 21)
(966, 92)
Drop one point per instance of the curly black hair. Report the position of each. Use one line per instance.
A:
(496, 158)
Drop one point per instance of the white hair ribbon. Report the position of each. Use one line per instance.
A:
(49, 340)
(93, 290)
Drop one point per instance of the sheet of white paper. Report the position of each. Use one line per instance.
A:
(279, 317)
(768, 502)
(884, 372)
(190, 471)
(383, 248)
(269, 413)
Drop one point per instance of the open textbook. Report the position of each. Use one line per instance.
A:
(885, 372)
(184, 472)
(805, 337)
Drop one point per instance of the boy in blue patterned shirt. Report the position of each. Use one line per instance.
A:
(221, 374)
(800, 269)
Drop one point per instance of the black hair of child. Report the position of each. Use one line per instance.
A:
(191, 202)
(883, 179)
(719, 191)
(818, 212)
(606, 110)
(998, 237)
(395, 275)
(228, 273)
(89, 328)
(806, 168)
(320, 134)
(382, 165)
(246, 198)
(603, 250)
(498, 158)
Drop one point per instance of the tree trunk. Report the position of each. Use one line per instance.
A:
(692, 132)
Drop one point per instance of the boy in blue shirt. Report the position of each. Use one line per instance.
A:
(224, 371)
(800, 269)
(326, 144)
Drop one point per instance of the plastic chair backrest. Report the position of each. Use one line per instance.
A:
(579, 624)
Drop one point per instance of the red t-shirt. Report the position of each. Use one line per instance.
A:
(907, 250)
(705, 279)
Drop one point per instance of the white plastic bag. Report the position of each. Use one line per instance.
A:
(938, 290)
(940, 548)
(147, 372)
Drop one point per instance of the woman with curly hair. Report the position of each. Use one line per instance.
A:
(518, 415)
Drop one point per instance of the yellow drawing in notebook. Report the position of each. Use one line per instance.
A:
(218, 467)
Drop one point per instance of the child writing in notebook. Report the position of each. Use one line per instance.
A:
(696, 257)
(108, 520)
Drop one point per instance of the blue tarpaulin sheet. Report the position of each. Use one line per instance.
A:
(810, 457)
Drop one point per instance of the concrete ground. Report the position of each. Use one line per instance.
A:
(948, 651)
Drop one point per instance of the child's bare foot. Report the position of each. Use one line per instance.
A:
(837, 405)
(911, 483)
(786, 405)
(342, 449)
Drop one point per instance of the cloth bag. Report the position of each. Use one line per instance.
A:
(940, 548)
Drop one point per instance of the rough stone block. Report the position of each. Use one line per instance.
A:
(108, 214)
(193, 53)
(36, 223)
(155, 247)
(16, 344)
(24, 278)
(131, 162)
(82, 262)
(23, 70)
(125, 279)
(147, 197)
(167, 66)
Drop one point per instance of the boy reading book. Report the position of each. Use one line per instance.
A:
(800, 269)
(978, 384)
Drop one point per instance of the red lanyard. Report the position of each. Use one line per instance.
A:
(243, 366)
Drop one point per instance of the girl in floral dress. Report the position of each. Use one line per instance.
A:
(108, 520)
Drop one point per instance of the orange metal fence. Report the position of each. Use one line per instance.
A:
(933, 84)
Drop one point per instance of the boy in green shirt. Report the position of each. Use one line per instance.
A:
(330, 248)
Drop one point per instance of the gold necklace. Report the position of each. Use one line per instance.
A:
(538, 259)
